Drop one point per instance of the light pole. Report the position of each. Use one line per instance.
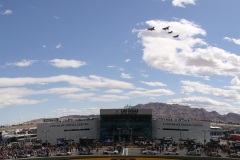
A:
(180, 135)
(46, 136)
(79, 132)
(131, 134)
(113, 135)
(119, 137)
(204, 136)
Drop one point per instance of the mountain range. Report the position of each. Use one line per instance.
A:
(176, 111)
(168, 111)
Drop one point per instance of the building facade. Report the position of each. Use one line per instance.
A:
(130, 124)
(73, 130)
(181, 130)
(125, 124)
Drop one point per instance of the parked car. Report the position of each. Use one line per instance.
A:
(234, 155)
(22, 155)
(4, 156)
(62, 153)
(85, 152)
(213, 154)
(151, 152)
(196, 152)
(43, 153)
(171, 152)
(110, 151)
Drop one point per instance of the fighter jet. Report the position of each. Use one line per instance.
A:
(175, 36)
(151, 29)
(166, 28)
(170, 32)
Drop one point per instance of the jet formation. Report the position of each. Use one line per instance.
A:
(151, 28)
(165, 29)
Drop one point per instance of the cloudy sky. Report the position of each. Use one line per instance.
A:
(64, 57)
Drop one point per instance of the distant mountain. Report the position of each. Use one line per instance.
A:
(64, 118)
(175, 111)
(168, 111)
(77, 117)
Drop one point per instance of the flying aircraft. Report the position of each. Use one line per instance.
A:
(170, 32)
(151, 29)
(175, 36)
(166, 28)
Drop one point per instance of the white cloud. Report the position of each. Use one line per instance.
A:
(19, 96)
(15, 96)
(206, 103)
(150, 93)
(127, 60)
(63, 63)
(182, 3)
(7, 12)
(126, 76)
(19, 101)
(236, 41)
(60, 91)
(91, 81)
(114, 91)
(187, 55)
(44, 46)
(77, 97)
(190, 87)
(23, 63)
(58, 46)
(144, 75)
(110, 66)
(83, 111)
(154, 84)
(235, 81)
(109, 98)
(56, 17)
(206, 78)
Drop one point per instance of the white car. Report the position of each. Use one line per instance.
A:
(110, 151)
(149, 152)
(63, 153)
(171, 152)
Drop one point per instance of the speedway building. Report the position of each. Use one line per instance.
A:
(115, 125)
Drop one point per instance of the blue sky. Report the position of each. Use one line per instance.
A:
(64, 57)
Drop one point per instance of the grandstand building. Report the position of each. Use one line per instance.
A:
(116, 125)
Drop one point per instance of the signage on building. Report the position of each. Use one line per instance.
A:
(183, 124)
(50, 120)
(69, 124)
(126, 111)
